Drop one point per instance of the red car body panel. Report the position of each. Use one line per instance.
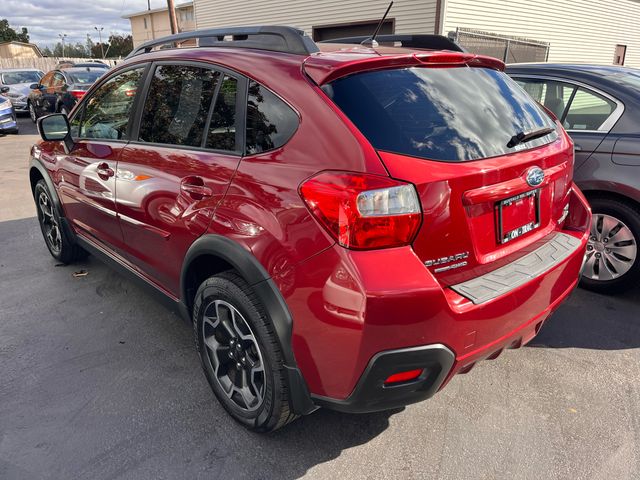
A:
(346, 305)
(159, 214)
(356, 304)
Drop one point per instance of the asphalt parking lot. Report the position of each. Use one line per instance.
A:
(98, 381)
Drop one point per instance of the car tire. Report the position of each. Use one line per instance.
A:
(60, 245)
(612, 262)
(32, 112)
(240, 353)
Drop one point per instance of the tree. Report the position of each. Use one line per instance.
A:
(119, 45)
(8, 34)
(71, 50)
(98, 48)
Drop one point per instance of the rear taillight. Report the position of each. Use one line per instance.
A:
(77, 94)
(364, 211)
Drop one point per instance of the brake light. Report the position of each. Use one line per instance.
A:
(403, 376)
(364, 211)
(77, 94)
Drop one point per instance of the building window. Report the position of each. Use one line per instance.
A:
(186, 15)
(145, 23)
(618, 57)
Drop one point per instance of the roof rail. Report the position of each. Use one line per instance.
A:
(431, 42)
(274, 38)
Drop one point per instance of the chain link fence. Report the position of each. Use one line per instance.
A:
(506, 48)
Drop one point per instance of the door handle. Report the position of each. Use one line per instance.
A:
(104, 171)
(195, 188)
(577, 148)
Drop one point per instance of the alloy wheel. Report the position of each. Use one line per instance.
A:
(49, 223)
(32, 112)
(611, 251)
(234, 355)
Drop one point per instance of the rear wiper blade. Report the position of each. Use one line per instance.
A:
(523, 137)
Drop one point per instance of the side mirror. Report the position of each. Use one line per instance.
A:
(35, 86)
(4, 89)
(55, 128)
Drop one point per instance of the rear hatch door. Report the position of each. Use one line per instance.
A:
(491, 167)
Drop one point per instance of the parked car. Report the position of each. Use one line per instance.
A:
(344, 228)
(600, 108)
(59, 90)
(8, 120)
(89, 63)
(93, 64)
(19, 80)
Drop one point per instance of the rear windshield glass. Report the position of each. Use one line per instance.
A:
(85, 78)
(449, 114)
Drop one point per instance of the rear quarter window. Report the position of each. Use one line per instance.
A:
(270, 121)
(449, 114)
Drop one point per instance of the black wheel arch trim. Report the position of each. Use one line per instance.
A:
(249, 268)
(44, 173)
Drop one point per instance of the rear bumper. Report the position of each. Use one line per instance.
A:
(348, 306)
(371, 394)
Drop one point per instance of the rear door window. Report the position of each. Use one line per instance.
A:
(553, 95)
(177, 105)
(223, 134)
(449, 114)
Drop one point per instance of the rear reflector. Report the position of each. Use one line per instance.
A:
(77, 94)
(404, 376)
(364, 211)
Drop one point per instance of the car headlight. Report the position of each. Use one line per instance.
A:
(5, 103)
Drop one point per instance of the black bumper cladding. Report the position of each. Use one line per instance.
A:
(372, 395)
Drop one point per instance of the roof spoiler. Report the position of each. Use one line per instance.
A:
(274, 38)
(429, 42)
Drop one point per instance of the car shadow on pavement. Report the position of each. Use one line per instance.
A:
(125, 395)
(591, 320)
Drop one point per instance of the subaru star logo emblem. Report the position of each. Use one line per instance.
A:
(535, 176)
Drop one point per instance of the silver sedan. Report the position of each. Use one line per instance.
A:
(19, 80)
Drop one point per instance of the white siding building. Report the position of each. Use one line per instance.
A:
(584, 31)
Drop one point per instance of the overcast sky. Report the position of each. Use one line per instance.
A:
(45, 19)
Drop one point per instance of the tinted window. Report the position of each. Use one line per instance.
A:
(450, 114)
(58, 80)
(177, 105)
(222, 130)
(47, 79)
(84, 78)
(105, 115)
(553, 95)
(588, 111)
(270, 121)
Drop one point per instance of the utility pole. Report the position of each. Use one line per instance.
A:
(153, 34)
(172, 17)
(62, 36)
(99, 30)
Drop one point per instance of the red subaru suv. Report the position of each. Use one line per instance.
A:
(345, 226)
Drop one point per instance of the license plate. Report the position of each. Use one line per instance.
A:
(518, 215)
